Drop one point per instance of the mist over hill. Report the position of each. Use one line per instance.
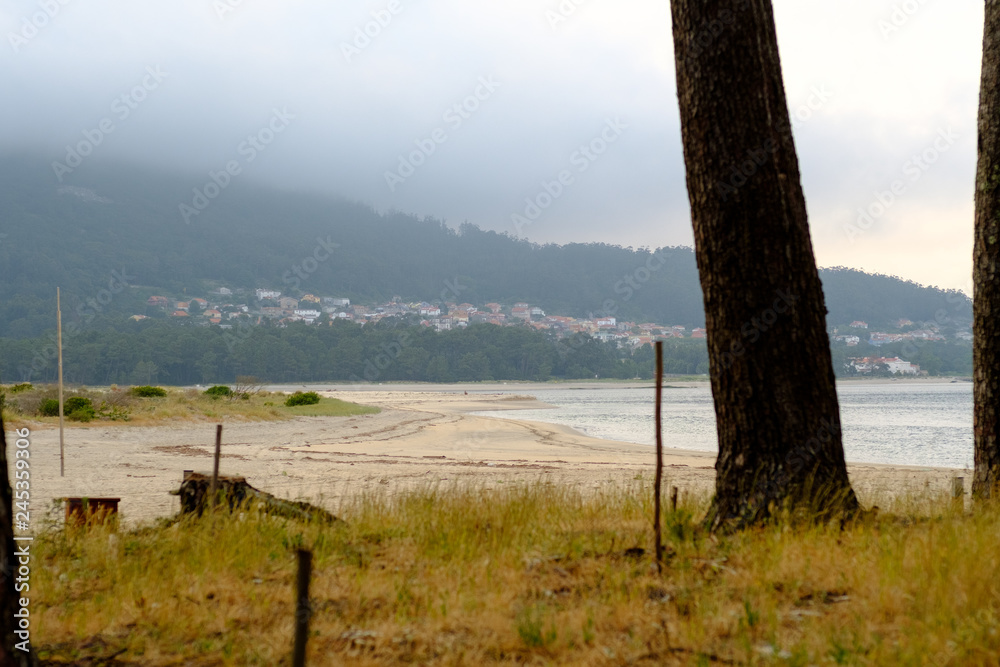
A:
(111, 235)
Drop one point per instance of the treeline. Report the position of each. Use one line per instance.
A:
(119, 351)
(166, 353)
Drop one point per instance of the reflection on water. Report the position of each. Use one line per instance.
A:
(903, 423)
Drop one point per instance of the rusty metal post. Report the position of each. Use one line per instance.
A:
(659, 457)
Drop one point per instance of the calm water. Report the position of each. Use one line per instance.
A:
(902, 423)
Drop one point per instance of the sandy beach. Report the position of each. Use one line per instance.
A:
(420, 438)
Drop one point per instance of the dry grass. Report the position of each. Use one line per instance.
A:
(120, 407)
(529, 574)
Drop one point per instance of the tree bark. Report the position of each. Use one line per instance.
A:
(985, 278)
(772, 376)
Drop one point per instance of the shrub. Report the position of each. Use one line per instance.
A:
(302, 398)
(114, 412)
(75, 408)
(78, 409)
(18, 388)
(218, 391)
(149, 392)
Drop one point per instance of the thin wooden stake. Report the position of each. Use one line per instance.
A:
(659, 457)
(302, 608)
(673, 500)
(215, 468)
(62, 458)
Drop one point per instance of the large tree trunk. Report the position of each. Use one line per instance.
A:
(986, 280)
(772, 377)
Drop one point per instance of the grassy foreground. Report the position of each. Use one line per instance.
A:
(537, 574)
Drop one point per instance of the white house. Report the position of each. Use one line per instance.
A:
(897, 365)
(429, 311)
(308, 315)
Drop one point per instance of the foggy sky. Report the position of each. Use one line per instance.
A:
(197, 84)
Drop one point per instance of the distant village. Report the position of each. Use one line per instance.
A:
(221, 309)
(890, 365)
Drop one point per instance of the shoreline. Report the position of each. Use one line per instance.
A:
(420, 438)
(512, 385)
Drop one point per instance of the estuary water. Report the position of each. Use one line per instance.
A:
(904, 423)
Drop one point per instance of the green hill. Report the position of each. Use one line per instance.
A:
(108, 224)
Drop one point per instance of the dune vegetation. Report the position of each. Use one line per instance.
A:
(535, 573)
(140, 406)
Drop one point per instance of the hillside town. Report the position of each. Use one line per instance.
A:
(222, 310)
(908, 332)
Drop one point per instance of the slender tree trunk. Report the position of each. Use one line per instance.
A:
(772, 376)
(985, 276)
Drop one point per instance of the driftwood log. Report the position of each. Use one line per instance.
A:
(235, 492)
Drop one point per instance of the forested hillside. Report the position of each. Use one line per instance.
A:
(113, 236)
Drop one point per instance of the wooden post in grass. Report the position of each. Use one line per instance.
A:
(302, 608)
(673, 499)
(215, 469)
(62, 458)
(659, 457)
(958, 490)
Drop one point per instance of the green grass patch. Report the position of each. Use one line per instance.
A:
(331, 407)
